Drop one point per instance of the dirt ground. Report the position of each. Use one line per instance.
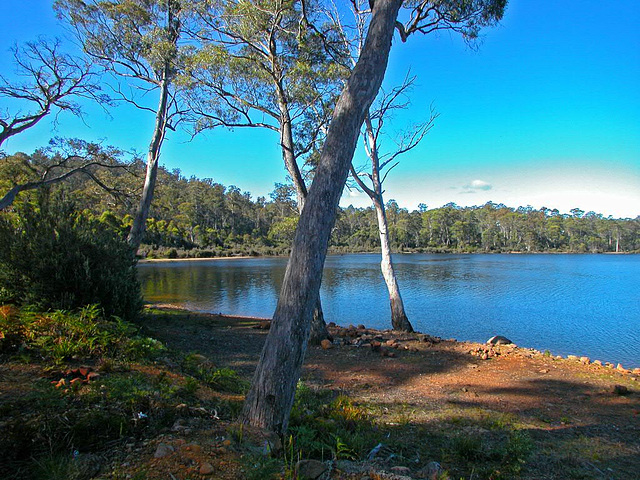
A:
(583, 417)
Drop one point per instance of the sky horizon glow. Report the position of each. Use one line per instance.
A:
(544, 112)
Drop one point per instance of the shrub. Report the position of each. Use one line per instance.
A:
(54, 257)
(59, 336)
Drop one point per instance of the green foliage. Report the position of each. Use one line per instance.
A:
(220, 379)
(214, 220)
(261, 467)
(325, 427)
(52, 256)
(60, 336)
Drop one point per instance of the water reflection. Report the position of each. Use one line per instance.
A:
(578, 304)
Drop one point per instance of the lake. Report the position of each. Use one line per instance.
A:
(569, 304)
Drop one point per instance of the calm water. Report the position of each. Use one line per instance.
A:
(568, 304)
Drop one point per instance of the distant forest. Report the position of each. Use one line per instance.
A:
(193, 217)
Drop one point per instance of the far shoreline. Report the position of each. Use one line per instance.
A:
(244, 257)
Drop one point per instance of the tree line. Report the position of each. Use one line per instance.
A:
(192, 217)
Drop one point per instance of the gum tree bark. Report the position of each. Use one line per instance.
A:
(153, 155)
(270, 399)
(319, 330)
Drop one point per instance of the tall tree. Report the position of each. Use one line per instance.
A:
(138, 41)
(47, 81)
(267, 64)
(268, 403)
(381, 164)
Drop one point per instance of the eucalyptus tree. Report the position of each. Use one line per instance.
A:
(269, 64)
(46, 81)
(381, 164)
(269, 401)
(139, 43)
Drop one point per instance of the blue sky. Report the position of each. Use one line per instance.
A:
(545, 112)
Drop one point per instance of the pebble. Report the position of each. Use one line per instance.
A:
(310, 469)
(163, 450)
(326, 344)
(206, 468)
(401, 470)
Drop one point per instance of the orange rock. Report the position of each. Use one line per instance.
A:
(206, 468)
(326, 344)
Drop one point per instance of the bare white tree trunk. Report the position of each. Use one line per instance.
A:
(399, 320)
(153, 155)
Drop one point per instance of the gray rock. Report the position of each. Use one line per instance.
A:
(163, 450)
(401, 470)
(620, 390)
(432, 471)
(310, 469)
(499, 340)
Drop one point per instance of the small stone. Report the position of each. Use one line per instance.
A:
(620, 390)
(636, 371)
(432, 471)
(361, 327)
(620, 368)
(310, 469)
(484, 356)
(226, 443)
(206, 468)
(597, 362)
(326, 344)
(499, 340)
(544, 370)
(163, 450)
(193, 447)
(585, 360)
(401, 470)
(572, 357)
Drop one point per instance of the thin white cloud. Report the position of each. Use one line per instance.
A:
(479, 185)
(476, 186)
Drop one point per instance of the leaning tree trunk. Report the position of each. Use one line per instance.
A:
(319, 330)
(399, 320)
(140, 220)
(270, 398)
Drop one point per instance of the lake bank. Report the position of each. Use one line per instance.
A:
(374, 403)
(568, 304)
(423, 394)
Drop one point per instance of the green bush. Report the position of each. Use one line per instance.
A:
(53, 257)
(60, 336)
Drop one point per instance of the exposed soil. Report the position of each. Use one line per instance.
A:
(583, 417)
(420, 393)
